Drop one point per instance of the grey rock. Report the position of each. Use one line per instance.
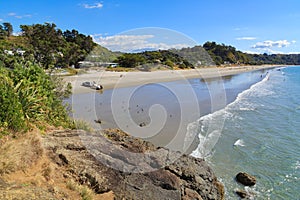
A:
(132, 168)
(246, 179)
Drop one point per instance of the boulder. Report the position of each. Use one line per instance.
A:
(241, 193)
(245, 179)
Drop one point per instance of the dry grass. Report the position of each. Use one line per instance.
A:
(83, 125)
(120, 69)
(20, 153)
(26, 172)
(88, 194)
(84, 191)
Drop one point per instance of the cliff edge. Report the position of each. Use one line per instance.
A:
(112, 164)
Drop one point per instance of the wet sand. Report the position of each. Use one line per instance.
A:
(164, 108)
(110, 80)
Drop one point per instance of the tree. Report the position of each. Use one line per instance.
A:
(52, 47)
(46, 41)
(78, 46)
(131, 60)
(2, 32)
(84, 42)
(8, 28)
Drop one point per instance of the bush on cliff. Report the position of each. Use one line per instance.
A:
(29, 96)
(11, 115)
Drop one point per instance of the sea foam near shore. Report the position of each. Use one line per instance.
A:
(209, 127)
(266, 118)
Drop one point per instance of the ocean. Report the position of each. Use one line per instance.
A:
(247, 122)
(261, 136)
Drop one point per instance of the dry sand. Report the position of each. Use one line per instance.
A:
(110, 80)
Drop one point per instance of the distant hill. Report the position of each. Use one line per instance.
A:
(226, 54)
(102, 54)
(197, 56)
(153, 59)
(277, 59)
(210, 54)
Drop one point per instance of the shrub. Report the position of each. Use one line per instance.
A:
(29, 95)
(11, 115)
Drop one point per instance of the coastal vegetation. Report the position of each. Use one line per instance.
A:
(165, 57)
(197, 56)
(31, 95)
(210, 54)
(49, 47)
(44, 44)
(226, 54)
(222, 54)
(102, 55)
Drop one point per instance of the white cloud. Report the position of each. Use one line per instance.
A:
(93, 6)
(12, 14)
(17, 33)
(251, 52)
(133, 43)
(270, 44)
(294, 52)
(1, 20)
(294, 41)
(246, 38)
(265, 50)
(22, 16)
(270, 51)
(240, 29)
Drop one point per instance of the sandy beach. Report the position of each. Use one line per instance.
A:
(110, 80)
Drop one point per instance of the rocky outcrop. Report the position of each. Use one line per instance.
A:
(242, 193)
(246, 179)
(246, 193)
(130, 168)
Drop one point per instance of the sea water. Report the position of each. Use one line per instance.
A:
(257, 130)
(166, 109)
(261, 136)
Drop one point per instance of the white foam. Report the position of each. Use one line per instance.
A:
(247, 109)
(209, 127)
(251, 191)
(239, 142)
(255, 90)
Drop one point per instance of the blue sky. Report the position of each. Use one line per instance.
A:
(249, 25)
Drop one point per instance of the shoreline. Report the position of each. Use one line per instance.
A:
(91, 109)
(111, 80)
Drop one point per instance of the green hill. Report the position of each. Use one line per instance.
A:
(197, 56)
(102, 54)
(225, 54)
